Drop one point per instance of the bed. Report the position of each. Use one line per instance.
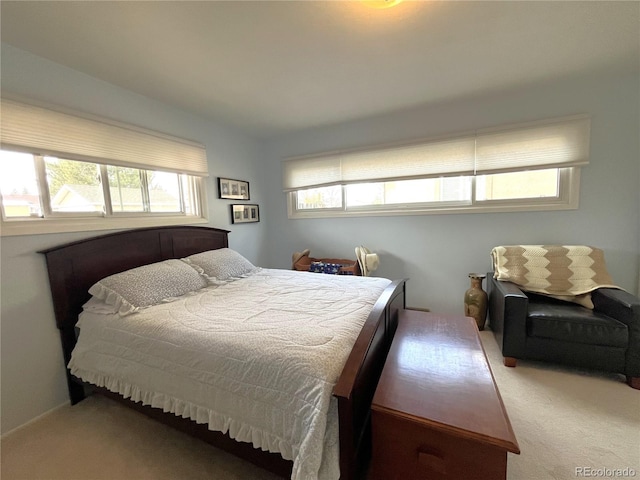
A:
(74, 268)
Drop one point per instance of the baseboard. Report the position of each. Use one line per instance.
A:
(39, 417)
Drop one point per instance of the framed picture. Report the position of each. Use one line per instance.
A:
(245, 213)
(233, 189)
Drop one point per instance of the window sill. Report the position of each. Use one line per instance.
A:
(496, 208)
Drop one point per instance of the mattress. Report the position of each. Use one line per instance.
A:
(256, 358)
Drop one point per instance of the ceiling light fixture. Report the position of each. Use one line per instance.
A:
(381, 3)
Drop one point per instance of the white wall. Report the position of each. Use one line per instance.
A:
(32, 368)
(436, 252)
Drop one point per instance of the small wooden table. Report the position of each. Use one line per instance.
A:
(437, 413)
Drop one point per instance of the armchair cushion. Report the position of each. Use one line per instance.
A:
(558, 320)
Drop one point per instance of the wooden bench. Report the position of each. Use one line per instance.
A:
(437, 413)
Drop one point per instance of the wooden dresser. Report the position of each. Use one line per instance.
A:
(437, 413)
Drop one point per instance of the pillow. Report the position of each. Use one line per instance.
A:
(148, 285)
(221, 265)
(584, 299)
(95, 305)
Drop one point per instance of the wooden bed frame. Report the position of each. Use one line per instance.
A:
(74, 267)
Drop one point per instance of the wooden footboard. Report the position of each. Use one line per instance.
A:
(74, 268)
(359, 378)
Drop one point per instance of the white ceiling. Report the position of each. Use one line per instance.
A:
(272, 67)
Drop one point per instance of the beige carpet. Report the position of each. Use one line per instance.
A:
(567, 419)
(564, 420)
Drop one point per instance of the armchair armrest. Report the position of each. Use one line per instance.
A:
(625, 308)
(508, 307)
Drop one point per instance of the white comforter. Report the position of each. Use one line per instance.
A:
(257, 358)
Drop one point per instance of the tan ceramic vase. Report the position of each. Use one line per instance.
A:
(475, 300)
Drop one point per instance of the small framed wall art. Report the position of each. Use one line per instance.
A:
(245, 213)
(233, 189)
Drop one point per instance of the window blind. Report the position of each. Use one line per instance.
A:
(40, 130)
(549, 144)
(419, 160)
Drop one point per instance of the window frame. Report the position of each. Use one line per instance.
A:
(558, 143)
(61, 222)
(567, 199)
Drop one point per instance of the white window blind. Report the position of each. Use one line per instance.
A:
(454, 156)
(550, 144)
(40, 130)
(308, 172)
(558, 144)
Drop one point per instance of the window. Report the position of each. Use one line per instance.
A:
(60, 172)
(74, 188)
(400, 192)
(534, 166)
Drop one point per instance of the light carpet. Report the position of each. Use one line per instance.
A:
(569, 423)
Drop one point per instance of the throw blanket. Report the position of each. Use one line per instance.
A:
(567, 272)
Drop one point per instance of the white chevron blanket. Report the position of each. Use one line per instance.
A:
(567, 272)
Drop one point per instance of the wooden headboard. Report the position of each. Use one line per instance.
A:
(75, 267)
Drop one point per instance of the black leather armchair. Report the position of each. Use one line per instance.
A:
(536, 327)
